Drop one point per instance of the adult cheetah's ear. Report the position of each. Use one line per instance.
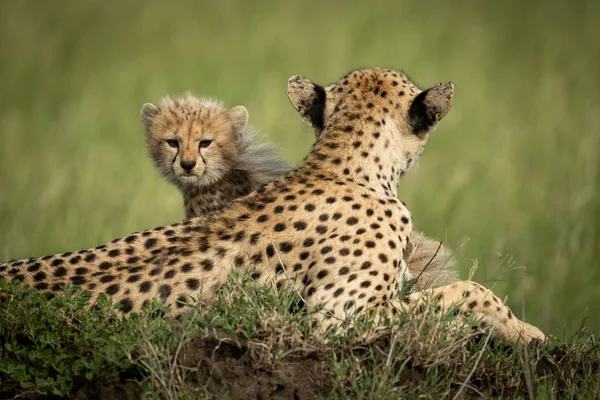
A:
(308, 98)
(429, 107)
(239, 118)
(148, 113)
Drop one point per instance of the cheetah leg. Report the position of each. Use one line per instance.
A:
(473, 299)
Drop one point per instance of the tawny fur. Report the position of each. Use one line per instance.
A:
(245, 162)
(429, 262)
(236, 162)
(333, 227)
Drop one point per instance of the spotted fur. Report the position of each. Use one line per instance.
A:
(209, 152)
(333, 226)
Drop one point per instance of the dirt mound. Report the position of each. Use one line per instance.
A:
(249, 372)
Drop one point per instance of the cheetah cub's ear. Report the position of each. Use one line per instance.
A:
(429, 107)
(148, 113)
(239, 118)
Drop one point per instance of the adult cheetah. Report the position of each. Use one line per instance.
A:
(333, 225)
(214, 157)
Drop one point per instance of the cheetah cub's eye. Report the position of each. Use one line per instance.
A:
(173, 143)
(204, 144)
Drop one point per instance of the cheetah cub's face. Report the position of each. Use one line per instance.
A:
(193, 141)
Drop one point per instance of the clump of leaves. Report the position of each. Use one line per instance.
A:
(52, 346)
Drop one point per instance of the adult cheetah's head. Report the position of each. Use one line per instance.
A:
(193, 141)
(372, 95)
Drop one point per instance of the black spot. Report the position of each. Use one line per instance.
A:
(187, 267)
(107, 278)
(81, 271)
(357, 253)
(34, 267)
(351, 278)
(383, 258)
(74, 260)
(112, 289)
(126, 305)
(60, 272)
(40, 276)
(299, 225)
(239, 236)
(57, 262)
(336, 216)
(239, 261)
(114, 253)
(329, 260)
(326, 249)
(370, 244)
(308, 242)
(192, 283)
(322, 274)
(285, 247)
(181, 301)
(270, 250)
(150, 243)
(309, 207)
(145, 287)
(254, 238)
(365, 284)
(344, 252)
(130, 239)
(348, 305)
(170, 274)
(352, 221)
(207, 265)
(164, 291)
(78, 280)
(321, 229)
(366, 265)
(90, 257)
(220, 252)
(105, 265)
(404, 219)
(279, 227)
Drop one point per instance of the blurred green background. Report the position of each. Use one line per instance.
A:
(511, 179)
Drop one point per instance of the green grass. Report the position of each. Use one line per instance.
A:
(514, 167)
(256, 341)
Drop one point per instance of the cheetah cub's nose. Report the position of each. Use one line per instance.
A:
(187, 165)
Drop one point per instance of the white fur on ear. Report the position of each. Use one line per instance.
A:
(148, 113)
(308, 98)
(429, 107)
(239, 118)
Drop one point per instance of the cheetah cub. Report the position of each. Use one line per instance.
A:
(209, 152)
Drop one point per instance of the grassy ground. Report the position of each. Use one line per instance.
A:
(256, 343)
(514, 167)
